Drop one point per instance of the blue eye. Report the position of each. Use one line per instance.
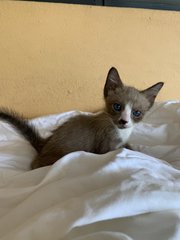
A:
(136, 113)
(117, 107)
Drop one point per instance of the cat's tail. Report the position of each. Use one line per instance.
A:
(22, 125)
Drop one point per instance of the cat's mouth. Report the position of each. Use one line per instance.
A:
(123, 126)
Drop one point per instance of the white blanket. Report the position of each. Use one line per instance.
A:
(121, 195)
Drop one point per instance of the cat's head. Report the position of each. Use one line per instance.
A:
(127, 105)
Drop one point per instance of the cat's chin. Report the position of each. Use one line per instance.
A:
(124, 127)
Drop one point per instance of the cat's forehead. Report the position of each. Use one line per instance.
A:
(130, 96)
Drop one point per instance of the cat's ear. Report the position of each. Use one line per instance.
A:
(152, 92)
(113, 81)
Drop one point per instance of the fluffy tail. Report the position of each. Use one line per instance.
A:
(23, 127)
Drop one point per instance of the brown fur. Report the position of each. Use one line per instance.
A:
(94, 134)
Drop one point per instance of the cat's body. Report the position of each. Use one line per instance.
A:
(91, 133)
(97, 133)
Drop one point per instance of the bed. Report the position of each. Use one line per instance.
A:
(124, 194)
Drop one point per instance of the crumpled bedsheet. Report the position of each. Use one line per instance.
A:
(123, 194)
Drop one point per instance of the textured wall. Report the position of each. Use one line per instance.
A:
(55, 57)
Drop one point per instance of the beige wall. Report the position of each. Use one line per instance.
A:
(55, 57)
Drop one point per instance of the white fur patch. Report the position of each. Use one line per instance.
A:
(126, 115)
(124, 135)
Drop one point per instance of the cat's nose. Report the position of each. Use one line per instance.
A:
(123, 122)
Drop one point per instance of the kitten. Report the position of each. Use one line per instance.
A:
(97, 133)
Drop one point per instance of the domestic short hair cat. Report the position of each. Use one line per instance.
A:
(97, 133)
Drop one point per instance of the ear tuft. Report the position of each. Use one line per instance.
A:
(113, 81)
(152, 92)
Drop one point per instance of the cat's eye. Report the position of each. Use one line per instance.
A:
(136, 113)
(117, 107)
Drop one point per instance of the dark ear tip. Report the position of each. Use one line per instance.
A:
(112, 69)
(161, 84)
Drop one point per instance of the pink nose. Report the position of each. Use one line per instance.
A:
(122, 121)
